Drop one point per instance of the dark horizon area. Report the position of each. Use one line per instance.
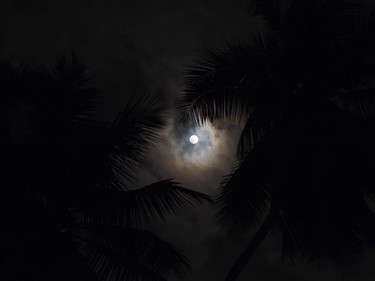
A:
(101, 179)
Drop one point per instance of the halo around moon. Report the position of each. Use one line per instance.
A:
(194, 139)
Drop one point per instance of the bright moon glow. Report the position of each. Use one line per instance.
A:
(194, 139)
(203, 145)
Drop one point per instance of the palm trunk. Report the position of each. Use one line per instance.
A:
(250, 249)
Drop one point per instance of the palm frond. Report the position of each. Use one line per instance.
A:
(134, 131)
(32, 84)
(323, 216)
(360, 101)
(7, 79)
(324, 234)
(139, 248)
(74, 97)
(75, 170)
(244, 194)
(224, 84)
(110, 264)
(260, 122)
(274, 11)
(139, 123)
(70, 72)
(114, 151)
(354, 21)
(343, 19)
(154, 201)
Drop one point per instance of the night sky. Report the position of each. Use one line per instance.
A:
(144, 46)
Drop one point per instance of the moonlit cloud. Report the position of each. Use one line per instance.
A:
(198, 166)
(204, 152)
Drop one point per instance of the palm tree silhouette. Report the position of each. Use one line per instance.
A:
(68, 209)
(301, 84)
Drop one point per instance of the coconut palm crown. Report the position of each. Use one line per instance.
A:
(301, 84)
(68, 200)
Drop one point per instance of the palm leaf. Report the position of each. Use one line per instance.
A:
(275, 11)
(74, 98)
(138, 247)
(110, 264)
(322, 232)
(154, 201)
(70, 72)
(134, 131)
(108, 155)
(323, 215)
(224, 84)
(343, 19)
(244, 194)
(260, 122)
(359, 100)
(76, 171)
(354, 22)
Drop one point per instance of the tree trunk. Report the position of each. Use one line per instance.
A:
(250, 249)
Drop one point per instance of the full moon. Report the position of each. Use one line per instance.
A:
(194, 139)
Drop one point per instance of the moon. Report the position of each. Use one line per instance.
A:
(194, 139)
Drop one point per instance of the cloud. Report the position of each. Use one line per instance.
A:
(200, 166)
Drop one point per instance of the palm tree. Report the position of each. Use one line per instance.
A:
(68, 203)
(301, 84)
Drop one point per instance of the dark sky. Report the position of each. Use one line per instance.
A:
(143, 45)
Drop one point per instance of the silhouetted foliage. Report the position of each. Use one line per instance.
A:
(301, 84)
(67, 209)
